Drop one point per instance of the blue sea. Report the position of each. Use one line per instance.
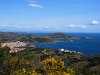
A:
(88, 46)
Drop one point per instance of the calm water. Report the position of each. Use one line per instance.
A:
(86, 46)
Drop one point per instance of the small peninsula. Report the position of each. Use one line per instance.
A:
(35, 38)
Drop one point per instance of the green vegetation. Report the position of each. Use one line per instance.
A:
(39, 61)
(33, 38)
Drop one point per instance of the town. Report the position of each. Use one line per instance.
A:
(15, 46)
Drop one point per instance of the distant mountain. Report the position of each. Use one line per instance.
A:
(33, 38)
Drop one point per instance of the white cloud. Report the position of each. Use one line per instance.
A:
(34, 5)
(76, 26)
(38, 27)
(44, 26)
(94, 22)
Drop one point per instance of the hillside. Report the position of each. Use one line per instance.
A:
(33, 38)
(39, 61)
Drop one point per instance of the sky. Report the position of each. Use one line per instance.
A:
(82, 16)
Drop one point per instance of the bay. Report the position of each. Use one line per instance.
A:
(89, 46)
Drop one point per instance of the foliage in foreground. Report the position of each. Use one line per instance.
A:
(40, 61)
